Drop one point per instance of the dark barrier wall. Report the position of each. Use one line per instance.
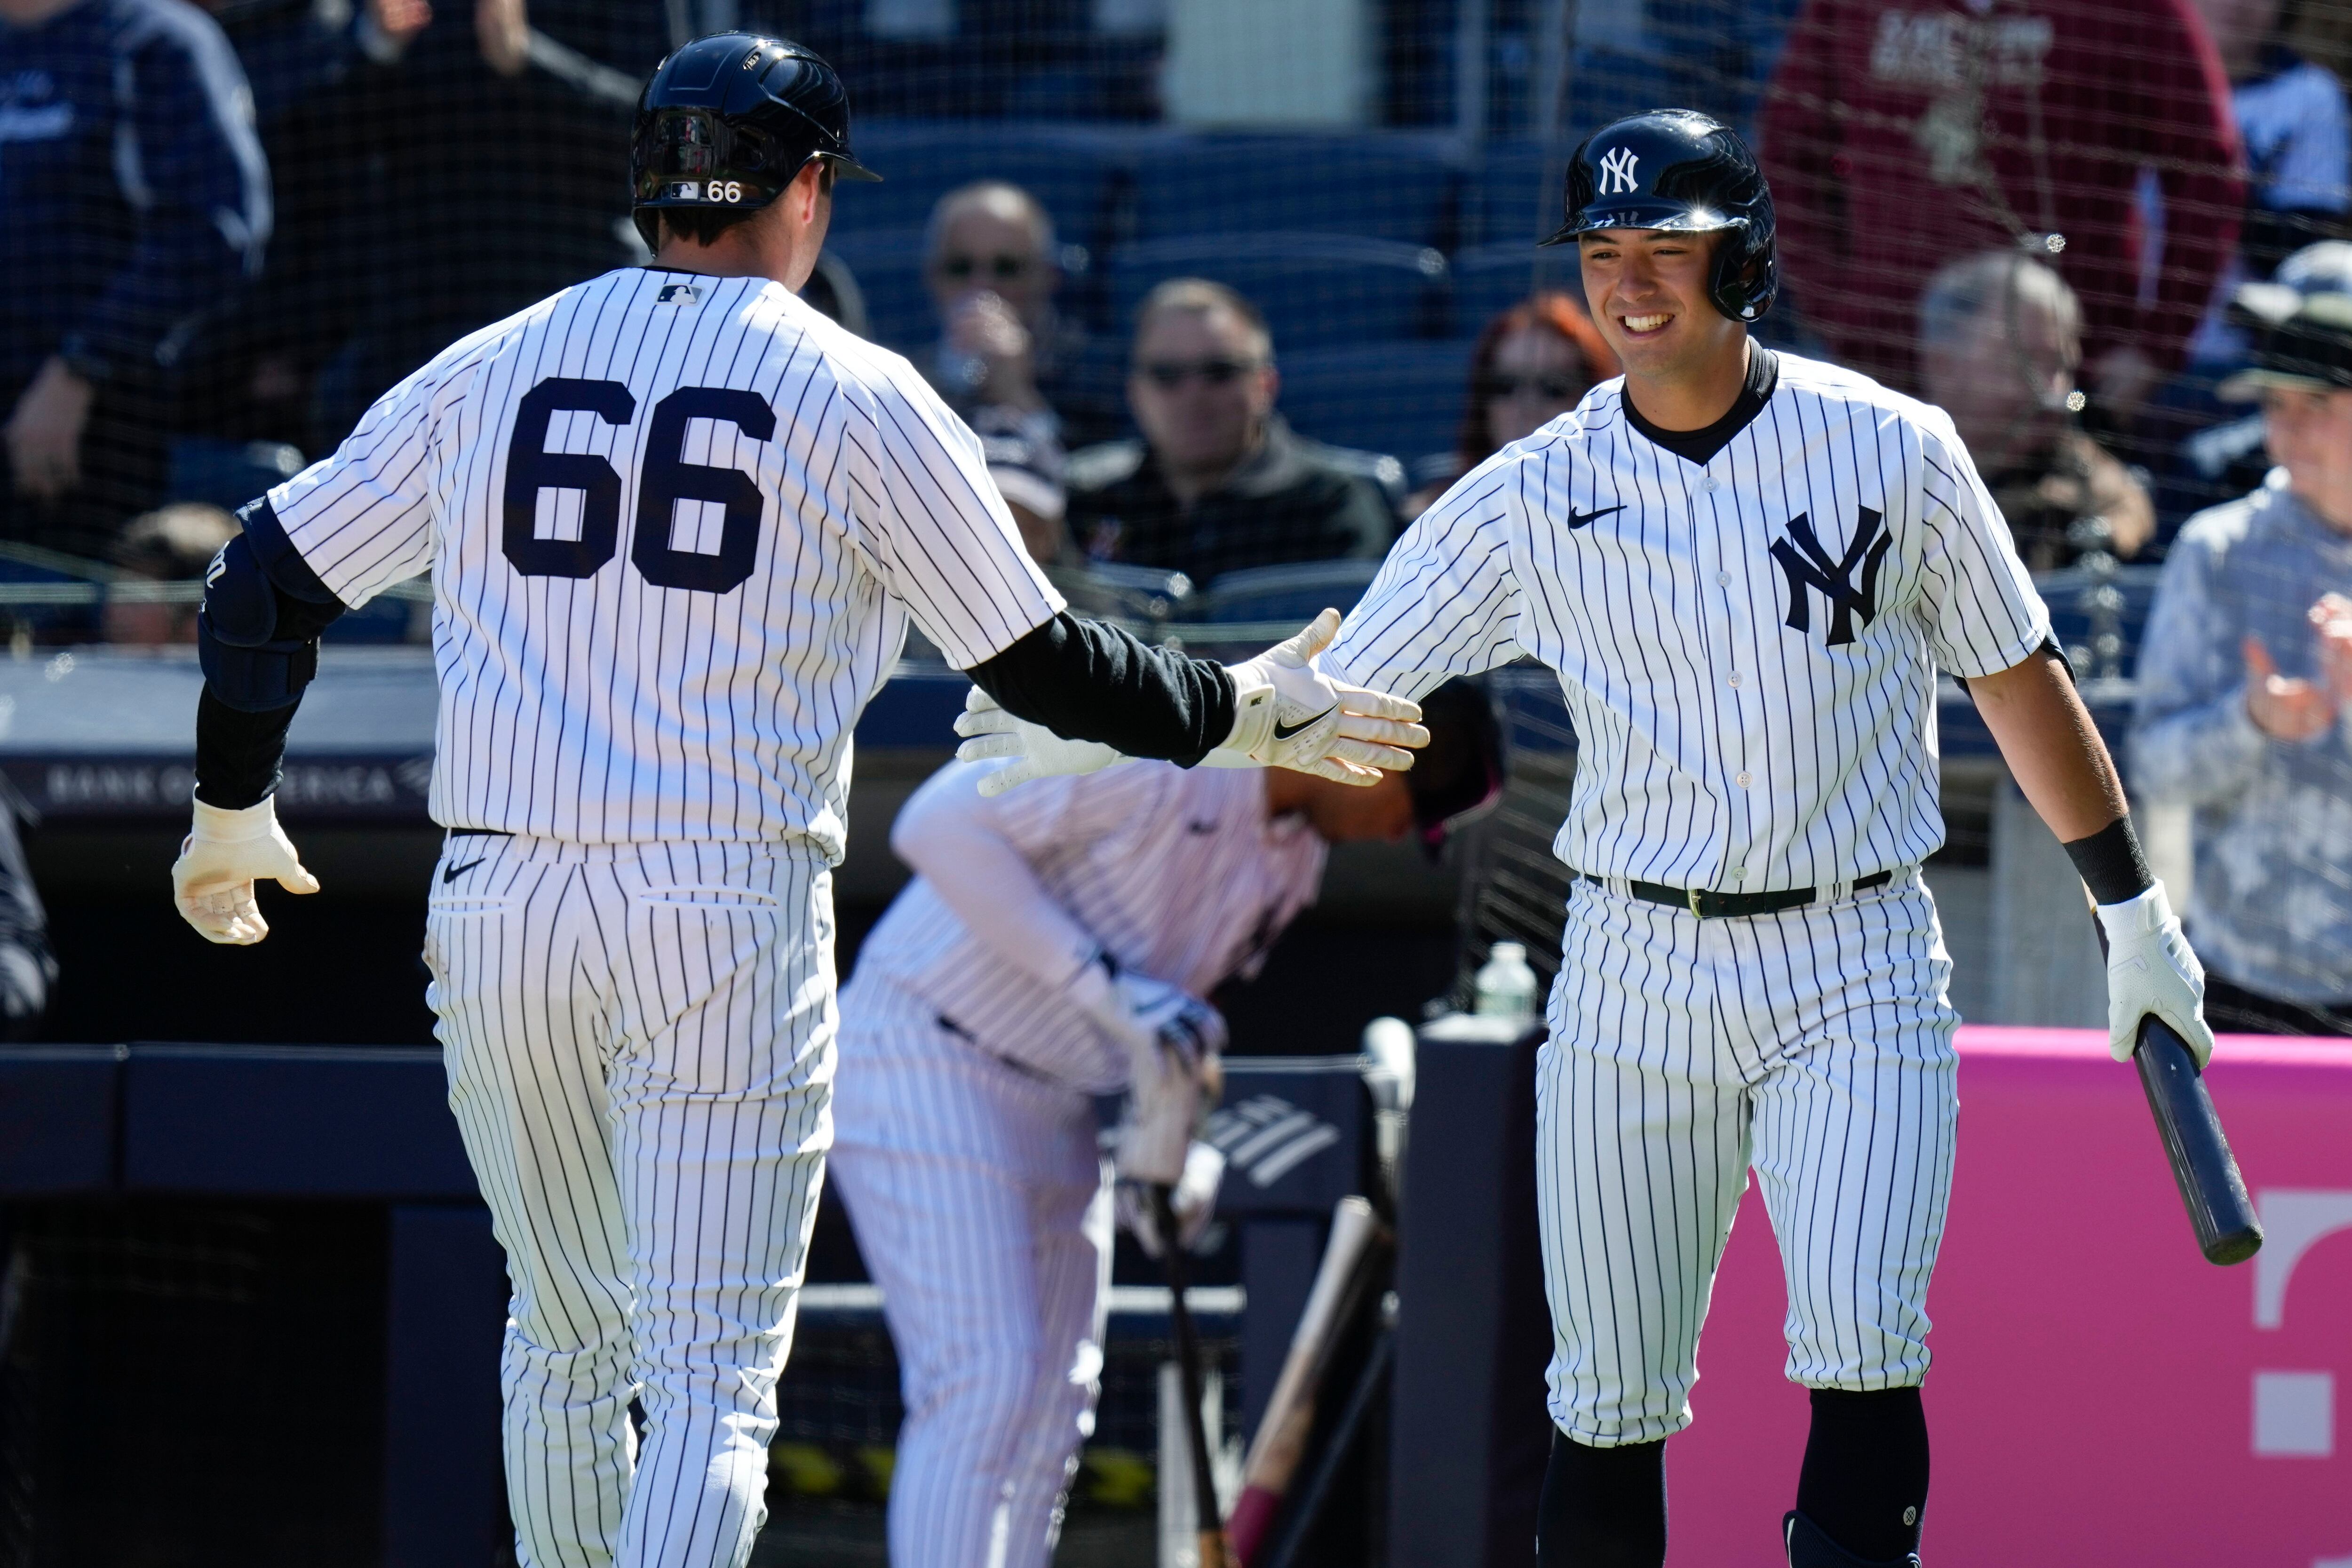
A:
(1473, 1332)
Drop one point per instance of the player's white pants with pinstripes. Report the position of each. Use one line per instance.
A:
(639, 1040)
(1816, 1042)
(982, 1209)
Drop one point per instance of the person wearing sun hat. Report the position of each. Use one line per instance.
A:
(2245, 675)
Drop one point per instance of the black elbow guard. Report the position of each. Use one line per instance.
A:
(257, 634)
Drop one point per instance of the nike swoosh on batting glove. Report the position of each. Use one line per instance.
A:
(2151, 969)
(1289, 714)
(1037, 751)
(224, 854)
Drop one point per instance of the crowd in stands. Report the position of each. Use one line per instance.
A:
(225, 229)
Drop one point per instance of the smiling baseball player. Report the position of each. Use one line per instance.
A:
(677, 522)
(1747, 568)
(999, 994)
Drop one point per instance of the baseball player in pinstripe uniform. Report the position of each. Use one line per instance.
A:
(973, 1035)
(1747, 568)
(643, 761)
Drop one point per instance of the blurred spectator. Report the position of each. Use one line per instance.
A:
(1999, 341)
(1899, 134)
(2246, 677)
(1533, 363)
(2290, 115)
(170, 545)
(1219, 481)
(470, 169)
(132, 195)
(991, 265)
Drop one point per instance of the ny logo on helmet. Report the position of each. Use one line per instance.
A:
(1617, 171)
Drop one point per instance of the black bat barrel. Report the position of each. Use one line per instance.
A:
(2210, 1187)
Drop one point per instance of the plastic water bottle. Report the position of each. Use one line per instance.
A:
(1506, 987)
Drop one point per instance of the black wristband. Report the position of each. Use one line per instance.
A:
(2111, 864)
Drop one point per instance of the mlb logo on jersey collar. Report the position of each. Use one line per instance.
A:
(678, 294)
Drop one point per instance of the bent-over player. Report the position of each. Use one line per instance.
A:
(676, 522)
(1019, 974)
(1747, 568)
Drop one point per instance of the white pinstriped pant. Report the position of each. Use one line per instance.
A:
(983, 1210)
(639, 1040)
(1817, 1042)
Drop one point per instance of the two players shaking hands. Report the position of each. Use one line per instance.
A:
(1287, 713)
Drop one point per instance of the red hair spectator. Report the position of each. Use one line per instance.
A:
(1533, 363)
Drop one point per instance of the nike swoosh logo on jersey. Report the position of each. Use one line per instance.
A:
(454, 872)
(1284, 731)
(1201, 827)
(1579, 519)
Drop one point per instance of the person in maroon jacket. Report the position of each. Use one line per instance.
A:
(1899, 134)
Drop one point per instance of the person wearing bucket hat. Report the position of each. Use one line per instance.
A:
(2245, 675)
(978, 1026)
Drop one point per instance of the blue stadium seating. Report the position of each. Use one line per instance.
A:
(889, 266)
(1318, 290)
(1391, 186)
(1491, 279)
(1298, 592)
(1069, 169)
(1512, 192)
(1404, 399)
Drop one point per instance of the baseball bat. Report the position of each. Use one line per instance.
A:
(2228, 1230)
(2212, 1190)
(1279, 1445)
(1213, 1549)
(1300, 1523)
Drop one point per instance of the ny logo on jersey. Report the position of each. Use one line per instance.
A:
(1809, 568)
(1617, 170)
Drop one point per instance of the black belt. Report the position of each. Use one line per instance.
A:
(1708, 905)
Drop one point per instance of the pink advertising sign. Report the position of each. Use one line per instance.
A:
(2101, 1394)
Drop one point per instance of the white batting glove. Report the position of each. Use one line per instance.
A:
(1172, 1040)
(2150, 969)
(1193, 1199)
(1038, 752)
(1288, 714)
(224, 854)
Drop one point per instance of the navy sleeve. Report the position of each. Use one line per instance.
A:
(1087, 681)
(189, 165)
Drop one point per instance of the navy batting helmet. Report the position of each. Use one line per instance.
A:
(1677, 169)
(729, 119)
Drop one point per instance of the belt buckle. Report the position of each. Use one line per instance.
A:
(1691, 895)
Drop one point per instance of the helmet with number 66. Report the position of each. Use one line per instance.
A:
(729, 119)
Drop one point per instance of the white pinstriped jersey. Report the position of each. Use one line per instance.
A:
(675, 524)
(1748, 648)
(1178, 873)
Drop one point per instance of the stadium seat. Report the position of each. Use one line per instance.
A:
(1318, 290)
(1298, 592)
(1490, 279)
(1397, 187)
(1068, 169)
(1399, 398)
(1513, 193)
(888, 267)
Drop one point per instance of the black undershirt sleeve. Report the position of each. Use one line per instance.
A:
(238, 754)
(1087, 681)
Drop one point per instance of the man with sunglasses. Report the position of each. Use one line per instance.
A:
(1220, 482)
(991, 268)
